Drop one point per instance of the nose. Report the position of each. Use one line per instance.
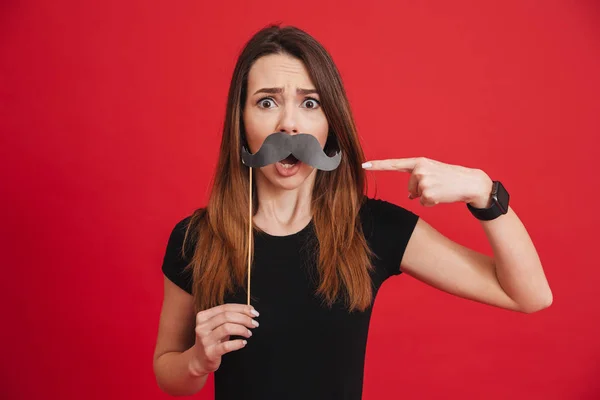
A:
(287, 122)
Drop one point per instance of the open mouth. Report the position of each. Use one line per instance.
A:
(289, 162)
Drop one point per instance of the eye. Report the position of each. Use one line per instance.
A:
(311, 103)
(266, 102)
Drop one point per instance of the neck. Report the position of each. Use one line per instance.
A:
(283, 211)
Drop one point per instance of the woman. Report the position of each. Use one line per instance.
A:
(321, 248)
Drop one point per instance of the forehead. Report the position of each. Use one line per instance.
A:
(278, 70)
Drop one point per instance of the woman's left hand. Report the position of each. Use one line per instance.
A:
(435, 182)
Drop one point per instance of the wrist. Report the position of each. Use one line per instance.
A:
(195, 367)
(482, 190)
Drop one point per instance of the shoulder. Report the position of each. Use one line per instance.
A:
(387, 227)
(180, 250)
(181, 226)
(382, 215)
(178, 236)
(187, 229)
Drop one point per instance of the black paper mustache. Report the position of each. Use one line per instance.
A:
(279, 145)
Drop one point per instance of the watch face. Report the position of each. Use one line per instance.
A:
(502, 197)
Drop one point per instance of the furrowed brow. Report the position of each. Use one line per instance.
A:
(278, 90)
(269, 91)
(307, 91)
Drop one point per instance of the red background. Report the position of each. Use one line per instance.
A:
(110, 121)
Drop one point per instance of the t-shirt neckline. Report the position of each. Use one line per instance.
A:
(285, 237)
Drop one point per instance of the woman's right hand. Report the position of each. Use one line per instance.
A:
(214, 327)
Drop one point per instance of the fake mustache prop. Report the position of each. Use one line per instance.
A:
(279, 145)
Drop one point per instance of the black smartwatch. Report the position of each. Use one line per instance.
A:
(498, 207)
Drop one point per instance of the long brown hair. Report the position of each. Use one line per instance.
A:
(219, 232)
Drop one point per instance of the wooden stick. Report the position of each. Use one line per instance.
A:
(249, 231)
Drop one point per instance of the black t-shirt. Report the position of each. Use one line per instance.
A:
(302, 349)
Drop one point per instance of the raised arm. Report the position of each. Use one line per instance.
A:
(513, 278)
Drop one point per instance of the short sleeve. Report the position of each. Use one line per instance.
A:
(174, 263)
(387, 228)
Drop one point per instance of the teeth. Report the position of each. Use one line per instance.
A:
(286, 166)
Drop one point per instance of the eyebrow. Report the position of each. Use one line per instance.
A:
(278, 90)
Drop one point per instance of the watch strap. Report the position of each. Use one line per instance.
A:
(496, 208)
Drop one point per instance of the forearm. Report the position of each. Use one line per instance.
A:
(175, 375)
(518, 267)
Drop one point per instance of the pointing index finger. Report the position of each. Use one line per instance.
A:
(397, 164)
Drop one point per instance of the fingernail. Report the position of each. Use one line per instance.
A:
(255, 323)
(254, 312)
(244, 342)
(367, 165)
(249, 332)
